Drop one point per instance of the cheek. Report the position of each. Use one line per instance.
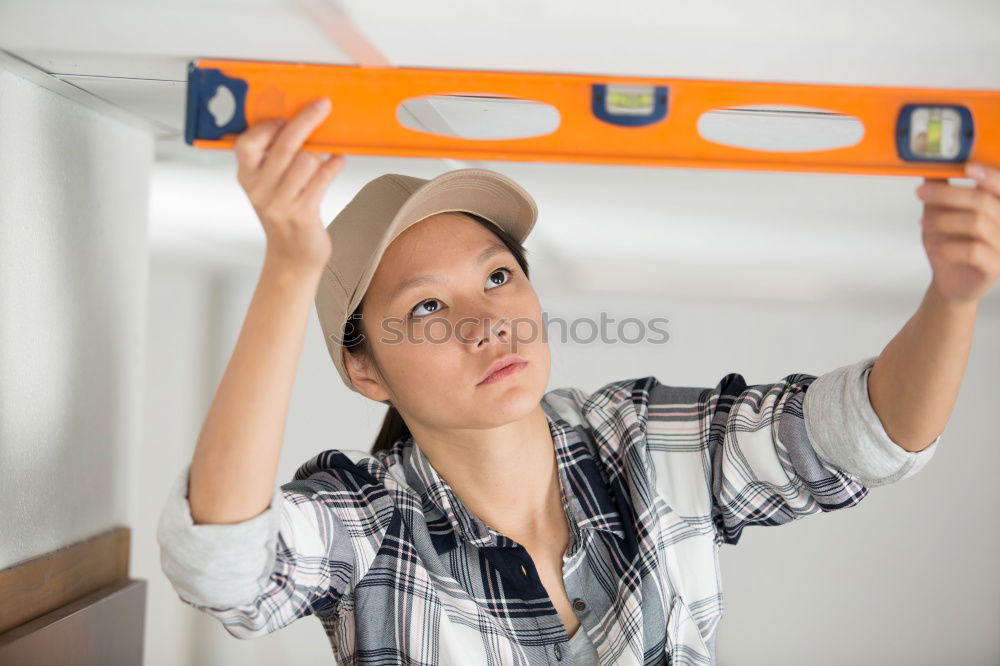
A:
(422, 355)
(527, 327)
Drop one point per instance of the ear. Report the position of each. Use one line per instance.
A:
(363, 378)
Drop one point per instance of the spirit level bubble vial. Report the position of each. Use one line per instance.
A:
(934, 133)
(629, 105)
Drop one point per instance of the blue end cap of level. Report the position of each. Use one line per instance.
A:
(965, 137)
(202, 85)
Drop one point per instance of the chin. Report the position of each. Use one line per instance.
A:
(512, 404)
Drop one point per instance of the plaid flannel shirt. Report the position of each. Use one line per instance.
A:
(655, 478)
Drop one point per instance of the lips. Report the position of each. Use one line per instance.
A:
(501, 363)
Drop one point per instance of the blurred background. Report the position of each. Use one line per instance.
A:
(128, 259)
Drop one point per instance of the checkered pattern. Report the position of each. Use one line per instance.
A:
(655, 479)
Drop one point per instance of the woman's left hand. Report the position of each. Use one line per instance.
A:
(961, 233)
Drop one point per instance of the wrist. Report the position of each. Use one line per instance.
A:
(285, 271)
(938, 301)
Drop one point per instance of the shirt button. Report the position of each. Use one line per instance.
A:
(579, 605)
(558, 652)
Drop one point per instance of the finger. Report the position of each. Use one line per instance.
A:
(986, 176)
(317, 186)
(289, 141)
(954, 196)
(251, 145)
(963, 224)
(967, 252)
(303, 166)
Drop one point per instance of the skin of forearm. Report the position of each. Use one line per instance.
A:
(914, 382)
(235, 462)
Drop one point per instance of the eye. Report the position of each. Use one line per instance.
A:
(419, 305)
(489, 280)
(497, 271)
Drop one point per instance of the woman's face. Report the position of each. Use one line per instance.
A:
(434, 340)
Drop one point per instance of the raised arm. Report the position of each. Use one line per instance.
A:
(235, 461)
(768, 454)
(232, 542)
(916, 378)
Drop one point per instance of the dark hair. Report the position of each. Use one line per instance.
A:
(356, 343)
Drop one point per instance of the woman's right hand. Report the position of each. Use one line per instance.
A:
(285, 186)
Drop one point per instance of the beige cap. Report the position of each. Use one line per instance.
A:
(387, 206)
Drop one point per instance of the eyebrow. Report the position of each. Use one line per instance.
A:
(491, 250)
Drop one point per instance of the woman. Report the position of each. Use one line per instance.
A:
(492, 521)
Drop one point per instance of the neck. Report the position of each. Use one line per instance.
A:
(507, 475)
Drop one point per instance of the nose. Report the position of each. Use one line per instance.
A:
(478, 331)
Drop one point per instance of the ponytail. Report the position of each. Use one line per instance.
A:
(393, 429)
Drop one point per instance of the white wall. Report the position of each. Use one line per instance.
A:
(908, 576)
(74, 187)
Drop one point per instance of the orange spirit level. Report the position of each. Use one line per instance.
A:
(624, 120)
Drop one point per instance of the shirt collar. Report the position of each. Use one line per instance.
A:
(585, 494)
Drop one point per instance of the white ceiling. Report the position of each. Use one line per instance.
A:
(679, 231)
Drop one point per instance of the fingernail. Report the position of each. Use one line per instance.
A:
(322, 104)
(975, 171)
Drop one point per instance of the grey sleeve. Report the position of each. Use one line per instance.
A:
(847, 433)
(216, 564)
(294, 559)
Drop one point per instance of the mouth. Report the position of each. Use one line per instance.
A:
(503, 368)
